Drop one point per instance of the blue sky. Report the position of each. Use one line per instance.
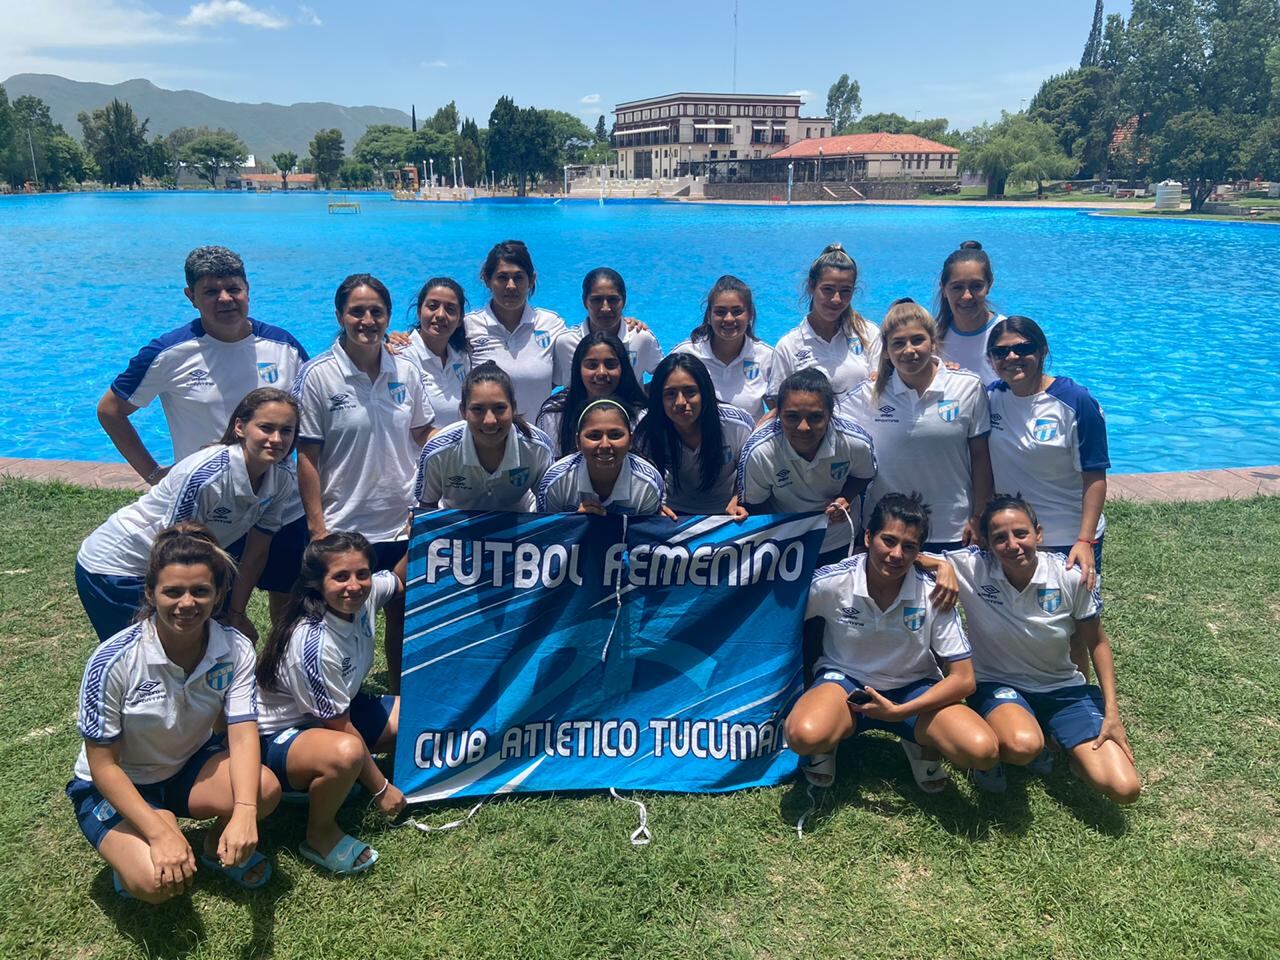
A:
(940, 58)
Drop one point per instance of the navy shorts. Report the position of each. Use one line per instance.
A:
(97, 817)
(1072, 715)
(369, 715)
(388, 553)
(110, 602)
(906, 729)
(284, 558)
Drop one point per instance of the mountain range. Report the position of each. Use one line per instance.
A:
(265, 128)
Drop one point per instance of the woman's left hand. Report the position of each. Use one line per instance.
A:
(878, 707)
(397, 341)
(837, 510)
(969, 535)
(593, 507)
(241, 622)
(1082, 554)
(1113, 730)
(635, 325)
(240, 838)
(668, 512)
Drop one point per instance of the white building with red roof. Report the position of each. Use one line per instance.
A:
(879, 156)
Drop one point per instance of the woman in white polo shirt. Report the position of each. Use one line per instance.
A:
(492, 460)
(882, 639)
(930, 426)
(437, 343)
(1025, 609)
(604, 294)
(149, 701)
(364, 419)
(833, 336)
(237, 487)
(739, 363)
(517, 336)
(965, 318)
(604, 476)
(600, 367)
(808, 460)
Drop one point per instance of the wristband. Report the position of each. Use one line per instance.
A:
(385, 783)
(150, 480)
(1092, 543)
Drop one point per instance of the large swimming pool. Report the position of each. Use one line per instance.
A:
(1171, 324)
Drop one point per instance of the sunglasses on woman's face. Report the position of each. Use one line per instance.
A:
(1023, 349)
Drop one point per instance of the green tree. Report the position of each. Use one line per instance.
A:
(27, 156)
(1080, 106)
(601, 131)
(286, 160)
(158, 161)
(385, 147)
(506, 152)
(1092, 55)
(445, 119)
(1201, 149)
(471, 147)
(67, 161)
(355, 174)
(6, 121)
(572, 139)
(1016, 149)
(844, 103)
(326, 155)
(212, 153)
(1261, 152)
(117, 142)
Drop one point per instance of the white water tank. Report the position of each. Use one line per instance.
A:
(1169, 195)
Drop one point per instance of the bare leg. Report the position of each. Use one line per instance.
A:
(1018, 731)
(211, 797)
(819, 720)
(960, 735)
(128, 854)
(326, 764)
(1107, 770)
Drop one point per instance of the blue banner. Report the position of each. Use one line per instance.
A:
(569, 652)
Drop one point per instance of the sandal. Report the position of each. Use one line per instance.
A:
(991, 781)
(237, 874)
(342, 858)
(929, 775)
(819, 769)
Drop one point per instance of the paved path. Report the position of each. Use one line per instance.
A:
(1146, 487)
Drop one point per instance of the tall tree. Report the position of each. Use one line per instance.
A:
(385, 147)
(354, 173)
(212, 153)
(1016, 149)
(1201, 149)
(27, 155)
(844, 103)
(601, 132)
(572, 138)
(326, 155)
(117, 142)
(471, 148)
(446, 119)
(1092, 55)
(286, 160)
(6, 120)
(1080, 106)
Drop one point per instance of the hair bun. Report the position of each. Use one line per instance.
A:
(970, 245)
(833, 247)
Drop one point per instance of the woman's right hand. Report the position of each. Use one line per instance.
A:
(173, 861)
(593, 507)
(397, 341)
(1082, 554)
(392, 801)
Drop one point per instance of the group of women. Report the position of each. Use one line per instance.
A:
(901, 433)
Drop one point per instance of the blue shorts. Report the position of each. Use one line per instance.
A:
(388, 553)
(1072, 715)
(110, 602)
(284, 558)
(97, 817)
(369, 715)
(902, 728)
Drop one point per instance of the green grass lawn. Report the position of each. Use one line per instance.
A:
(1048, 870)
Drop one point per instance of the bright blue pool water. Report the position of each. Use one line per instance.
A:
(1170, 324)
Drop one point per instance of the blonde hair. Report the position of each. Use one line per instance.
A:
(834, 257)
(902, 313)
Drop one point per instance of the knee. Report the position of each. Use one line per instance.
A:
(977, 749)
(1022, 746)
(1123, 790)
(149, 891)
(347, 753)
(807, 735)
(268, 793)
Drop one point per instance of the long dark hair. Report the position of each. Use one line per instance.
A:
(490, 372)
(969, 252)
(457, 339)
(247, 407)
(656, 437)
(306, 599)
(726, 284)
(187, 544)
(570, 402)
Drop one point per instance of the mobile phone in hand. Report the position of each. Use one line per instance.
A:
(858, 697)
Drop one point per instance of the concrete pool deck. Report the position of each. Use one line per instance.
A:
(1233, 484)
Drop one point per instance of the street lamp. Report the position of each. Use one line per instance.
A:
(31, 146)
(432, 161)
(566, 179)
(453, 167)
(791, 176)
(462, 176)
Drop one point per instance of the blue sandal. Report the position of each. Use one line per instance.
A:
(342, 858)
(237, 874)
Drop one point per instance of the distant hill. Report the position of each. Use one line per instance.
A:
(266, 128)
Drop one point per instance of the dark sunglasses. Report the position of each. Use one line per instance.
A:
(1023, 349)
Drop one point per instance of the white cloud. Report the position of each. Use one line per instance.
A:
(590, 98)
(804, 95)
(438, 64)
(307, 15)
(214, 12)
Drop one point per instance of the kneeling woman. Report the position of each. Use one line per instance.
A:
(492, 460)
(150, 697)
(882, 638)
(318, 730)
(1024, 607)
(604, 476)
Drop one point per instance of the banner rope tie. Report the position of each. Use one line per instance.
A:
(853, 532)
(432, 828)
(617, 599)
(641, 836)
(813, 805)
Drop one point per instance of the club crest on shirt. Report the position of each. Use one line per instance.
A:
(519, 476)
(850, 615)
(913, 617)
(218, 676)
(457, 370)
(365, 626)
(633, 355)
(268, 372)
(782, 478)
(542, 338)
(839, 469)
(399, 392)
(1049, 598)
(948, 410)
(199, 378)
(855, 346)
(104, 811)
(750, 370)
(1045, 430)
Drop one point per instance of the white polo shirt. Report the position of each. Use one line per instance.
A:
(368, 456)
(683, 495)
(210, 487)
(884, 649)
(1023, 638)
(1042, 445)
(527, 354)
(132, 693)
(450, 472)
(969, 350)
(324, 663)
(922, 442)
(842, 358)
(744, 380)
(442, 379)
(638, 490)
(643, 350)
(770, 472)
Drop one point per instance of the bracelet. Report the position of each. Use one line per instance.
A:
(1092, 543)
(150, 479)
(385, 783)
(246, 803)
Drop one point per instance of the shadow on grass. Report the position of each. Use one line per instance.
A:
(1085, 804)
(167, 930)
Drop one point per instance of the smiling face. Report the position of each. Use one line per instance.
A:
(832, 294)
(682, 400)
(730, 317)
(347, 582)
(604, 439)
(268, 434)
(604, 305)
(1017, 362)
(364, 318)
(804, 420)
(910, 350)
(223, 303)
(601, 371)
(438, 317)
(1013, 538)
(489, 414)
(892, 550)
(185, 597)
(966, 294)
(509, 286)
